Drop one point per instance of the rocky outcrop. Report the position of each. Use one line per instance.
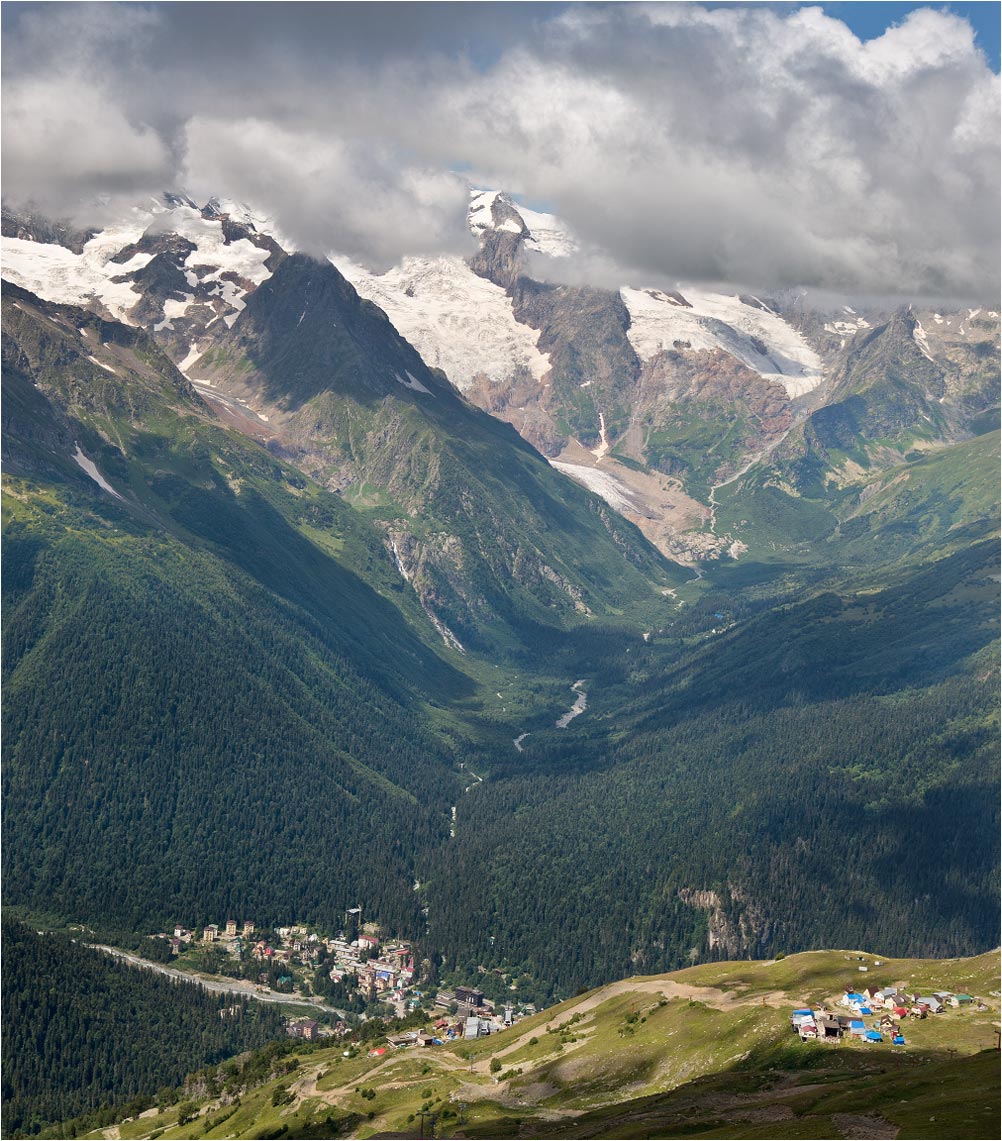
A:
(737, 927)
(34, 227)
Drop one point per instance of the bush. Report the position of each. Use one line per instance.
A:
(186, 1111)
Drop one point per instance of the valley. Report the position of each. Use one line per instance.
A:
(297, 624)
(500, 571)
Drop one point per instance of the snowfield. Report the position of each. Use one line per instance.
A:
(458, 322)
(57, 274)
(241, 257)
(718, 321)
(615, 493)
(92, 470)
(548, 234)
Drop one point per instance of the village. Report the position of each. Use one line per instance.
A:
(887, 1007)
(377, 972)
(377, 977)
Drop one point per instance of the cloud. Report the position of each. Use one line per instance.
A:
(729, 144)
(356, 196)
(68, 145)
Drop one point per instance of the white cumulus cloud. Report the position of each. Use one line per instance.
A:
(742, 144)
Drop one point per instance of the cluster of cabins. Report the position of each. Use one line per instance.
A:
(472, 1016)
(890, 1005)
(382, 970)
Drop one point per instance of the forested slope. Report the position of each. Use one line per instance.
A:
(820, 772)
(208, 709)
(82, 1031)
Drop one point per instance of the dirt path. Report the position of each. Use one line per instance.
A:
(444, 1061)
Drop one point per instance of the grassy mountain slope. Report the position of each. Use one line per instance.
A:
(897, 465)
(700, 1053)
(900, 513)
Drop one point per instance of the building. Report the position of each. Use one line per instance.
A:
(211, 933)
(248, 928)
(470, 996)
(305, 1028)
(932, 1004)
(231, 927)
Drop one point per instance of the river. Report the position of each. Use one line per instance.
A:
(579, 706)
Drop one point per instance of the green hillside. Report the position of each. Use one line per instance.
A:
(704, 1052)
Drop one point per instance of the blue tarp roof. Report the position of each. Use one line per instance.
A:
(851, 995)
(874, 1036)
(856, 1023)
(805, 1011)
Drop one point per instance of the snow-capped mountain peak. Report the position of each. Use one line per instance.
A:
(543, 233)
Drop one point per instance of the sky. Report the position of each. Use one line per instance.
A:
(845, 147)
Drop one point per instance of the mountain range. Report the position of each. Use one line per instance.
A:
(291, 551)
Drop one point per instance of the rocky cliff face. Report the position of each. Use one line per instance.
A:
(30, 226)
(736, 928)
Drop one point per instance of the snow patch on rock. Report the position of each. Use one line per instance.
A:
(91, 469)
(920, 338)
(194, 352)
(413, 383)
(101, 364)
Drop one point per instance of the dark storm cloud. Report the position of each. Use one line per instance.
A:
(744, 144)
